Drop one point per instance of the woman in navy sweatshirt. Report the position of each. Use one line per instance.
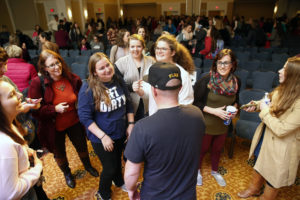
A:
(103, 107)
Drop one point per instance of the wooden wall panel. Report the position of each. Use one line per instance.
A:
(111, 10)
(139, 10)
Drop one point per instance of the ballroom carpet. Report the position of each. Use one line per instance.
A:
(237, 172)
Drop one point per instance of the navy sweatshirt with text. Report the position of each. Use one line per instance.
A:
(110, 118)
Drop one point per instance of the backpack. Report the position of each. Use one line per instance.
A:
(220, 46)
(26, 120)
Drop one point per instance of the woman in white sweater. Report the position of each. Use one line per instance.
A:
(134, 67)
(17, 176)
(168, 50)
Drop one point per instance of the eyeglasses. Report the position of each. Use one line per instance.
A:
(225, 64)
(161, 49)
(57, 63)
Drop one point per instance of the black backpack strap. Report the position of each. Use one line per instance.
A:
(42, 84)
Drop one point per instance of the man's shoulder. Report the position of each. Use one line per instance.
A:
(192, 110)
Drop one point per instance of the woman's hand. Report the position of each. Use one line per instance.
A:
(263, 105)
(108, 143)
(129, 130)
(61, 107)
(221, 113)
(36, 159)
(31, 104)
(250, 108)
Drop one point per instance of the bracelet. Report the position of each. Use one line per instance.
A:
(131, 122)
(103, 136)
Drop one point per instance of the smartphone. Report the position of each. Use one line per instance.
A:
(248, 105)
(36, 100)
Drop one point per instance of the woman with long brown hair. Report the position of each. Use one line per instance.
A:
(104, 108)
(213, 43)
(17, 176)
(57, 115)
(276, 144)
(120, 49)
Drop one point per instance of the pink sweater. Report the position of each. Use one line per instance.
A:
(20, 72)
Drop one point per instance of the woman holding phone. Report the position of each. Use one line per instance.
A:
(276, 142)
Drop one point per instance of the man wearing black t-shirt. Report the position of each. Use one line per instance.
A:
(168, 142)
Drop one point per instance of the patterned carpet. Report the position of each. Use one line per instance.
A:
(236, 171)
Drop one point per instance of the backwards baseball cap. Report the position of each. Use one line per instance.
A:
(161, 73)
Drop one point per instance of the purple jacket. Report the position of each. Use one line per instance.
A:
(20, 72)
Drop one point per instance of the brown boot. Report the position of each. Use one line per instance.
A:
(269, 193)
(254, 187)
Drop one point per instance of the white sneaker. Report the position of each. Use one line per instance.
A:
(220, 180)
(199, 179)
(123, 187)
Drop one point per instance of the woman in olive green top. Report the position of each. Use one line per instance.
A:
(212, 94)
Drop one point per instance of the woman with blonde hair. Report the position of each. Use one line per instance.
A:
(120, 49)
(57, 115)
(275, 144)
(168, 50)
(18, 70)
(104, 108)
(134, 67)
(50, 46)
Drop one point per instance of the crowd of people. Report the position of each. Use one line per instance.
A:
(142, 95)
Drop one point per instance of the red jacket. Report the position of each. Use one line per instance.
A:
(46, 114)
(207, 50)
(20, 72)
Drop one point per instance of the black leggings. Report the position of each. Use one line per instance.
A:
(112, 167)
(76, 134)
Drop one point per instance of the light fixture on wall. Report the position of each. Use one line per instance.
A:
(69, 13)
(85, 13)
(121, 12)
(275, 9)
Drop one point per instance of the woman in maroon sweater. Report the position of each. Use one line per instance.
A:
(57, 115)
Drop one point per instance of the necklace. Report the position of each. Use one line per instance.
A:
(61, 87)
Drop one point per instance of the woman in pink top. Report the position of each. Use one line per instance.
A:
(18, 70)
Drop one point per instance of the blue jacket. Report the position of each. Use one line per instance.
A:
(110, 119)
(171, 30)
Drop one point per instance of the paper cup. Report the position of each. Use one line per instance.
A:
(230, 110)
